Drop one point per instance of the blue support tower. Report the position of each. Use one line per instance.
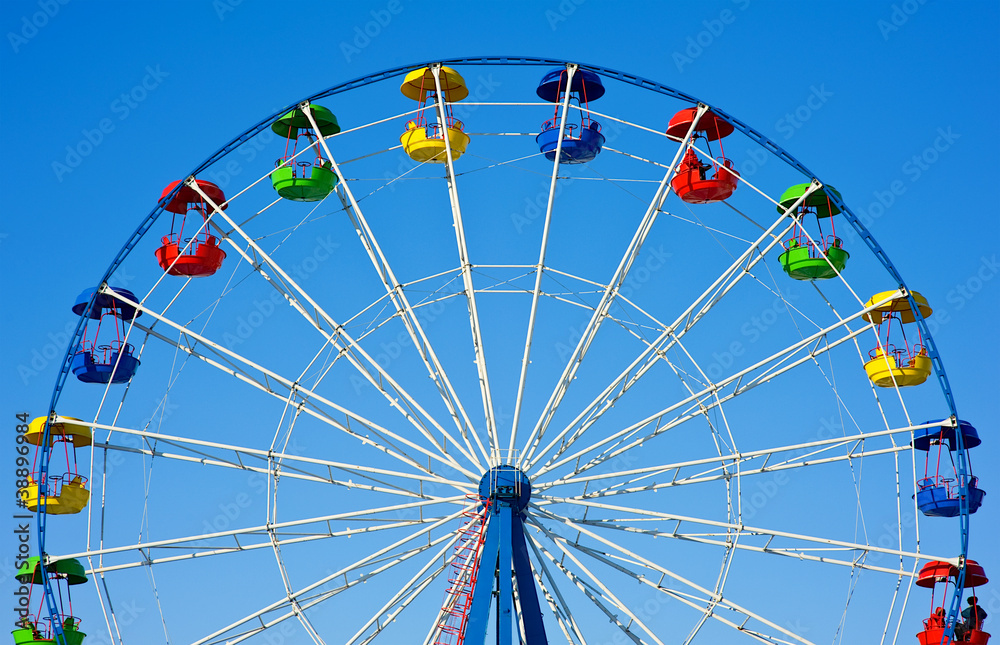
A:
(504, 563)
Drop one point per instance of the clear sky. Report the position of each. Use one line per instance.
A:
(102, 104)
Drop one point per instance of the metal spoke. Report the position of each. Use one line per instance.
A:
(412, 587)
(702, 604)
(536, 292)
(368, 518)
(715, 597)
(307, 395)
(467, 281)
(270, 539)
(309, 602)
(355, 566)
(335, 331)
(761, 372)
(607, 299)
(648, 515)
(802, 455)
(395, 292)
(672, 335)
(240, 453)
(592, 593)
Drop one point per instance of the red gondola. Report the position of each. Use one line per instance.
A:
(199, 254)
(697, 181)
(969, 628)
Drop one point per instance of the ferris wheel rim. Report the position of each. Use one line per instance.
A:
(397, 71)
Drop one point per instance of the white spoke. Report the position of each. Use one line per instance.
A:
(241, 452)
(605, 591)
(715, 597)
(292, 386)
(745, 530)
(335, 331)
(410, 588)
(704, 605)
(766, 369)
(359, 564)
(466, 266)
(801, 454)
(364, 515)
(607, 299)
(312, 601)
(268, 536)
(398, 296)
(519, 397)
(592, 593)
(672, 335)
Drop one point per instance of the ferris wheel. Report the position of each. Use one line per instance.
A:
(500, 350)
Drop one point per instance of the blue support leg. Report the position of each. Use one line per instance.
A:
(505, 583)
(482, 594)
(530, 611)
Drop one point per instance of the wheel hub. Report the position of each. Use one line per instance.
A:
(507, 486)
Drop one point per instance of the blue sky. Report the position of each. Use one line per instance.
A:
(104, 104)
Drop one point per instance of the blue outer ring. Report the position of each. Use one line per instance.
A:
(367, 79)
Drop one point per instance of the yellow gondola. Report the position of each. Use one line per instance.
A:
(889, 365)
(427, 140)
(66, 493)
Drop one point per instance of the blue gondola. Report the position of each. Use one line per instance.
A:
(583, 139)
(939, 490)
(100, 360)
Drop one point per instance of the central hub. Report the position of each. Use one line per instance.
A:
(507, 486)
